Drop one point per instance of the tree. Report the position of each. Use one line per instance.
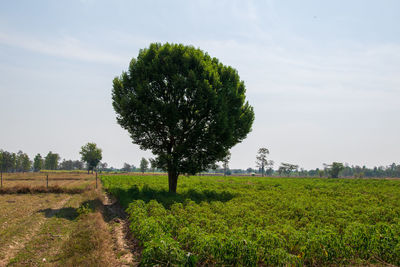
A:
(186, 107)
(127, 167)
(103, 166)
(51, 161)
(26, 163)
(7, 161)
(22, 162)
(262, 161)
(71, 165)
(144, 164)
(287, 168)
(335, 168)
(153, 164)
(37, 163)
(92, 155)
(66, 165)
(225, 163)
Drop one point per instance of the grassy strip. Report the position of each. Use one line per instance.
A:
(76, 235)
(89, 244)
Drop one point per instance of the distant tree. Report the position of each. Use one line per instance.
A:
(78, 165)
(37, 163)
(51, 161)
(185, 106)
(66, 165)
(249, 170)
(225, 163)
(8, 160)
(22, 162)
(213, 168)
(287, 168)
(262, 161)
(92, 155)
(144, 164)
(103, 166)
(335, 168)
(18, 161)
(153, 164)
(269, 171)
(127, 167)
(26, 163)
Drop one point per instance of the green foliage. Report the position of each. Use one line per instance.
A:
(287, 168)
(84, 209)
(51, 161)
(335, 168)
(8, 161)
(144, 164)
(262, 221)
(22, 162)
(185, 106)
(91, 154)
(37, 163)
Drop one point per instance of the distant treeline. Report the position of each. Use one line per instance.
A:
(20, 162)
(392, 170)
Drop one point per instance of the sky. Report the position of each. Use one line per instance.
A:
(322, 76)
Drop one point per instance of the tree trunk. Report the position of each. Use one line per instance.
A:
(172, 181)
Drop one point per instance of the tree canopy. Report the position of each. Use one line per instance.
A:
(335, 168)
(183, 105)
(91, 154)
(51, 161)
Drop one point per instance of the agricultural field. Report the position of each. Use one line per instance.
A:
(262, 221)
(78, 226)
(64, 179)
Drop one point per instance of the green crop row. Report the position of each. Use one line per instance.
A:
(262, 221)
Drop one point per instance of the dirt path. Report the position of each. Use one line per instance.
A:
(125, 245)
(19, 243)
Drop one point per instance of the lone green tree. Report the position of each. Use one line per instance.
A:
(183, 105)
(335, 169)
(91, 154)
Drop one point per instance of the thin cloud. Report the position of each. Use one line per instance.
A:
(66, 47)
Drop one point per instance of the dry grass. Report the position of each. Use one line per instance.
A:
(55, 229)
(40, 189)
(39, 179)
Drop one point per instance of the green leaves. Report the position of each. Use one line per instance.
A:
(91, 154)
(186, 107)
(252, 221)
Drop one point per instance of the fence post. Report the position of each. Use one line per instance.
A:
(1, 174)
(96, 179)
(47, 181)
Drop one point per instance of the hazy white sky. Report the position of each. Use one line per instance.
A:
(323, 77)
